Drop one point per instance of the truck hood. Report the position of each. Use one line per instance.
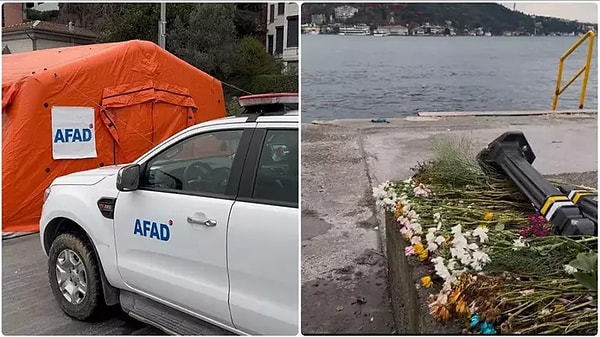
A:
(90, 177)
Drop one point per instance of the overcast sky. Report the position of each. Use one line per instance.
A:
(585, 12)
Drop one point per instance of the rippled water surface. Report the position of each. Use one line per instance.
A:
(366, 77)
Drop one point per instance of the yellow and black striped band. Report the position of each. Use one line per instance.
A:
(575, 195)
(551, 200)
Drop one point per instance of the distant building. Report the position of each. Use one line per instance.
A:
(283, 33)
(394, 29)
(12, 14)
(345, 12)
(428, 29)
(37, 35)
(318, 19)
(15, 13)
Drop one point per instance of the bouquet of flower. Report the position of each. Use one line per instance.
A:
(494, 261)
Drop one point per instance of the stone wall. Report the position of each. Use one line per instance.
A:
(409, 300)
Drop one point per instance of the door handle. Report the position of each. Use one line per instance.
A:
(204, 222)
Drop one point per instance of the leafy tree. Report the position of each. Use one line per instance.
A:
(223, 40)
(208, 39)
(33, 15)
(87, 15)
(132, 21)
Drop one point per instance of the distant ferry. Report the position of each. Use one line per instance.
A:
(381, 32)
(355, 31)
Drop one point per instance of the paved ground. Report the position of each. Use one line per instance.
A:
(29, 308)
(342, 260)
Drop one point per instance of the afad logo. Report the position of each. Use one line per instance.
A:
(73, 135)
(152, 229)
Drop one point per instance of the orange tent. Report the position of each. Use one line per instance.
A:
(140, 95)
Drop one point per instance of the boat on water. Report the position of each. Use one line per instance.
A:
(355, 31)
(381, 32)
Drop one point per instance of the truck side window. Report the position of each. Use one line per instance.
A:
(277, 176)
(199, 164)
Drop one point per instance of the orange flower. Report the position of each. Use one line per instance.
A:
(488, 216)
(398, 212)
(426, 281)
(439, 311)
(454, 295)
(462, 308)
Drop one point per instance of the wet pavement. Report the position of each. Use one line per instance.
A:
(29, 308)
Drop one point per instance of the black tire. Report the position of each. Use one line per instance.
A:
(92, 304)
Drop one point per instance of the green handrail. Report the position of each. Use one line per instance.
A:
(585, 70)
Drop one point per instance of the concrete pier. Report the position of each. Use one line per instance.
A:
(343, 159)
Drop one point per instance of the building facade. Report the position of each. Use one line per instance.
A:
(345, 12)
(14, 13)
(37, 35)
(283, 33)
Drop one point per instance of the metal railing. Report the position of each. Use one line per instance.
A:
(585, 70)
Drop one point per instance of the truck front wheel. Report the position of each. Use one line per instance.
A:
(74, 276)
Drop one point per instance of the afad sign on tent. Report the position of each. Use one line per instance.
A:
(73, 135)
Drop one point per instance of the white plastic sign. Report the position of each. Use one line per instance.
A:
(73, 133)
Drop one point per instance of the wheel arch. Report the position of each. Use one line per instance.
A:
(61, 225)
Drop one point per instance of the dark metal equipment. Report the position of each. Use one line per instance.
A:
(570, 211)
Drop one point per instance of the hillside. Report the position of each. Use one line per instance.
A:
(492, 17)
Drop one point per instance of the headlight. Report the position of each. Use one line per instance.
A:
(47, 193)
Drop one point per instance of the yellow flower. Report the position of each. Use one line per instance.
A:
(423, 255)
(419, 249)
(488, 216)
(398, 212)
(462, 307)
(454, 295)
(426, 281)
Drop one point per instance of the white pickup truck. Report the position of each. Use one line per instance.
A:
(198, 235)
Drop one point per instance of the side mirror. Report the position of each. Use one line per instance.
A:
(128, 178)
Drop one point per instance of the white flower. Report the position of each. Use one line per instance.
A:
(465, 259)
(481, 257)
(447, 286)
(412, 214)
(546, 312)
(451, 264)
(468, 233)
(459, 242)
(481, 232)
(415, 239)
(570, 269)
(456, 230)
(442, 271)
(417, 227)
(437, 215)
(456, 252)
(407, 181)
(473, 246)
(432, 246)
(439, 240)
(519, 243)
(430, 236)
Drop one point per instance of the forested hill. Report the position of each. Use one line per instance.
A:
(492, 17)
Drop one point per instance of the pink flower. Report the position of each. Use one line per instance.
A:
(406, 232)
(415, 239)
(421, 191)
(410, 250)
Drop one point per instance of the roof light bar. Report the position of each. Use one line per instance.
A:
(264, 99)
